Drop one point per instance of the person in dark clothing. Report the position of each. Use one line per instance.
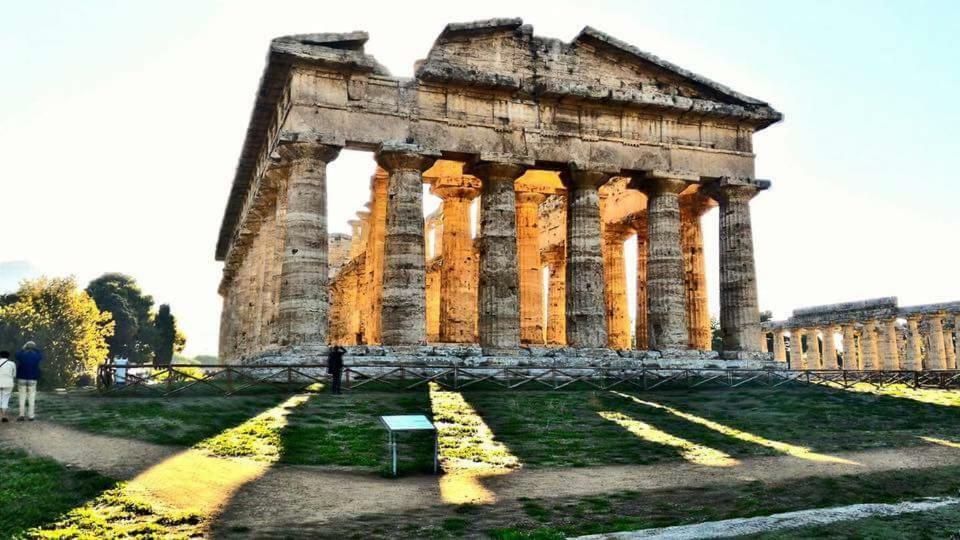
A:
(335, 367)
(28, 373)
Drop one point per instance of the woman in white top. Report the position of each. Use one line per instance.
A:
(8, 372)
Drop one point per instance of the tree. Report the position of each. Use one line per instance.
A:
(169, 340)
(716, 337)
(120, 295)
(64, 322)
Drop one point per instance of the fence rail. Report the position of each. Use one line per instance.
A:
(179, 379)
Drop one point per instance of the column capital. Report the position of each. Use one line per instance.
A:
(581, 175)
(294, 152)
(530, 198)
(394, 157)
(462, 192)
(496, 171)
(662, 181)
(735, 188)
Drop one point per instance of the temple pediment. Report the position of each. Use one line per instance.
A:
(505, 54)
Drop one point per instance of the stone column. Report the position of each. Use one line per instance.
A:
(956, 343)
(499, 293)
(586, 314)
(404, 314)
(268, 233)
(642, 323)
(375, 245)
(936, 348)
(797, 361)
(891, 358)
(850, 361)
(948, 348)
(615, 289)
(666, 294)
(304, 296)
(531, 274)
(813, 350)
(556, 299)
(739, 310)
(458, 280)
(913, 360)
(692, 207)
(868, 346)
(830, 348)
(779, 345)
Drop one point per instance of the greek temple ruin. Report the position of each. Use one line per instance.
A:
(875, 335)
(566, 150)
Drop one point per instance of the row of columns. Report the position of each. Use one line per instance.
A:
(923, 344)
(393, 278)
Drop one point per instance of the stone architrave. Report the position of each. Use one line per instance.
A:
(936, 349)
(850, 357)
(404, 272)
(642, 323)
(779, 345)
(531, 273)
(585, 312)
(666, 294)
(499, 293)
(813, 350)
(615, 289)
(692, 207)
(797, 360)
(458, 280)
(868, 346)
(304, 297)
(739, 308)
(830, 348)
(556, 296)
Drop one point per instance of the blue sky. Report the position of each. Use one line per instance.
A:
(121, 123)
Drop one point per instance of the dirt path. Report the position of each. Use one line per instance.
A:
(284, 495)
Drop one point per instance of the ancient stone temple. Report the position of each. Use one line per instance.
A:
(561, 151)
(874, 335)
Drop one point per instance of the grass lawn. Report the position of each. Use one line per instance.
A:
(935, 525)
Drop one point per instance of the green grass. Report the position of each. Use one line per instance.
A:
(934, 525)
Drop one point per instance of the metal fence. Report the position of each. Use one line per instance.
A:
(180, 379)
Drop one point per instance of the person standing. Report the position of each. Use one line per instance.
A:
(28, 373)
(335, 367)
(8, 372)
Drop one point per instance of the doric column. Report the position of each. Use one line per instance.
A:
(948, 348)
(304, 296)
(891, 357)
(556, 297)
(956, 343)
(936, 348)
(586, 314)
(739, 309)
(830, 348)
(356, 233)
(458, 280)
(692, 207)
(642, 323)
(403, 316)
(666, 294)
(499, 294)
(432, 289)
(796, 349)
(779, 345)
(850, 360)
(868, 346)
(615, 288)
(375, 244)
(531, 274)
(268, 268)
(813, 350)
(913, 360)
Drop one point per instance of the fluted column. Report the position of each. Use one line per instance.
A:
(556, 298)
(615, 288)
(913, 360)
(375, 244)
(850, 359)
(692, 207)
(813, 350)
(891, 357)
(868, 346)
(403, 317)
(458, 280)
(796, 349)
(268, 268)
(642, 323)
(956, 343)
(830, 348)
(666, 294)
(304, 295)
(949, 351)
(531, 274)
(499, 294)
(936, 349)
(739, 309)
(586, 314)
(779, 345)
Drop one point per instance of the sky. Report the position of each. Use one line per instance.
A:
(121, 124)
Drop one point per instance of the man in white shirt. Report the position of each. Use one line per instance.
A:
(8, 373)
